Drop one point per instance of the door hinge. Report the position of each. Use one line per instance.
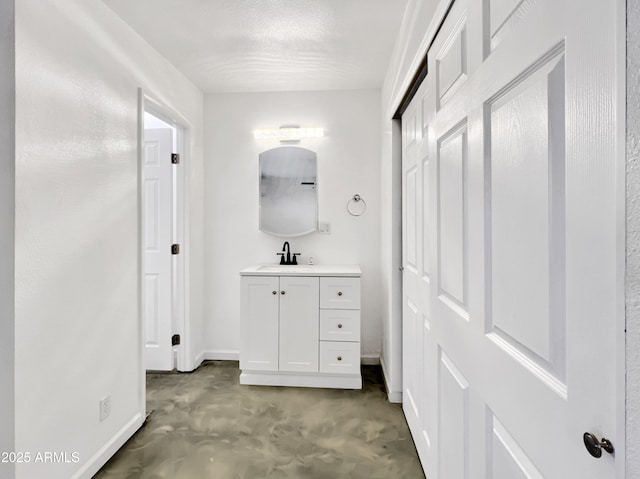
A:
(175, 158)
(175, 340)
(175, 249)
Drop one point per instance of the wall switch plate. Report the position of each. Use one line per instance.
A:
(105, 408)
(324, 228)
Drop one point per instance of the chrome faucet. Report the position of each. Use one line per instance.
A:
(287, 259)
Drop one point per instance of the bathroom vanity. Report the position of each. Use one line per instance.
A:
(300, 326)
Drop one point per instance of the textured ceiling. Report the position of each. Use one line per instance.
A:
(270, 45)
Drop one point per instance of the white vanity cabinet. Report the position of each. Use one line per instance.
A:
(300, 326)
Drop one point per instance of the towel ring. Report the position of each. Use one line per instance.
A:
(356, 206)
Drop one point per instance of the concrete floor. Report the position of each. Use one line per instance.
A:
(206, 426)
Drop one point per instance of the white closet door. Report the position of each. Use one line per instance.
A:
(519, 252)
(416, 214)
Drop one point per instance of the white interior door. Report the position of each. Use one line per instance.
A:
(158, 188)
(510, 347)
(416, 266)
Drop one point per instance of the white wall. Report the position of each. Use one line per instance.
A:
(78, 334)
(418, 27)
(633, 239)
(348, 163)
(7, 231)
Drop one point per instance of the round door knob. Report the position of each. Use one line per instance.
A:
(595, 447)
(339, 293)
(282, 292)
(340, 326)
(339, 358)
(274, 292)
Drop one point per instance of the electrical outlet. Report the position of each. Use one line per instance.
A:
(324, 228)
(105, 408)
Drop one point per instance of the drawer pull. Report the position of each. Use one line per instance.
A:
(282, 292)
(274, 292)
(339, 358)
(339, 293)
(340, 326)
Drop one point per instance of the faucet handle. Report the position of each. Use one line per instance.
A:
(281, 257)
(295, 260)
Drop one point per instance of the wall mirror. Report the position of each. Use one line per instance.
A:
(288, 200)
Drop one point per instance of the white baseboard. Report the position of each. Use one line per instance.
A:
(100, 458)
(370, 359)
(393, 396)
(221, 355)
(198, 360)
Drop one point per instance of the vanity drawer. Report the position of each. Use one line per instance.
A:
(340, 324)
(339, 357)
(339, 293)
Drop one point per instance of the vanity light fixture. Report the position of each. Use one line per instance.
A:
(288, 133)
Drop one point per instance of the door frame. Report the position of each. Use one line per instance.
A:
(181, 317)
(399, 95)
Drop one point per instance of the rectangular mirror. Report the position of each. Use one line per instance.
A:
(288, 199)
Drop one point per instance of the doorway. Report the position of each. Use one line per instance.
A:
(163, 252)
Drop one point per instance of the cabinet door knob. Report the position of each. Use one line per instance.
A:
(282, 292)
(339, 358)
(340, 326)
(339, 293)
(274, 292)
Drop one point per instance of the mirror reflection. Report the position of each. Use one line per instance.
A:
(288, 201)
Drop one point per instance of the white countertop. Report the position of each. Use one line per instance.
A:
(302, 270)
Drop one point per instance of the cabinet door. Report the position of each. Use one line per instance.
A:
(299, 323)
(259, 323)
